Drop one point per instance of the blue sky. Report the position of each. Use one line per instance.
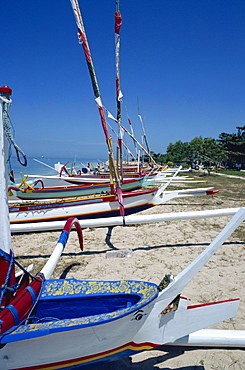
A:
(183, 59)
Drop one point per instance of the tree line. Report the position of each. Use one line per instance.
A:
(227, 151)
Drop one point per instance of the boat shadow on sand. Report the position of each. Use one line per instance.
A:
(169, 352)
(68, 268)
(110, 245)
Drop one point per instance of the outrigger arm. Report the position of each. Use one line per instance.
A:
(179, 283)
(184, 322)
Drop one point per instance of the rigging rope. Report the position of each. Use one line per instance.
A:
(132, 137)
(11, 288)
(8, 130)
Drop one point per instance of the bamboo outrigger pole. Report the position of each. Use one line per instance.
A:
(84, 42)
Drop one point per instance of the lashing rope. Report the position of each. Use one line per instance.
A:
(8, 129)
(13, 288)
(4, 288)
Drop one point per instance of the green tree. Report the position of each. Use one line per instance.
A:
(228, 149)
(233, 145)
(178, 152)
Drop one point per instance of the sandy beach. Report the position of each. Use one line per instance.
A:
(157, 249)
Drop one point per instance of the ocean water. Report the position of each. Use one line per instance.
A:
(45, 166)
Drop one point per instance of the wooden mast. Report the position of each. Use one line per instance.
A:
(118, 23)
(84, 42)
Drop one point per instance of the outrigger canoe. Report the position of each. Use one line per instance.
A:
(22, 213)
(32, 192)
(69, 323)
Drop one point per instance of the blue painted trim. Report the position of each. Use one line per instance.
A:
(5, 255)
(63, 237)
(32, 293)
(74, 289)
(14, 313)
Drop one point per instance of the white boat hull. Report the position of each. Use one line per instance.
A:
(159, 316)
(55, 348)
(83, 208)
(120, 221)
(23, 213)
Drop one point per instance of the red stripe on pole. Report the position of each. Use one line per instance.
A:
(120, 200)
(83, 42)
(119, 141)
(118, 22)
(118, 88)
(104, 124)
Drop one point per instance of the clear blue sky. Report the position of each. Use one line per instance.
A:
(183, 59)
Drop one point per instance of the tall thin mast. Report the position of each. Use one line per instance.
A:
(132, 130)
(5, 236)
(84, 42)
(132, 137)
(123, 143)
(118, 23)
(138, 143)
(144, 139)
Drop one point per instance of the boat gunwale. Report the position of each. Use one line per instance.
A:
(33, 330)
(32, 205)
